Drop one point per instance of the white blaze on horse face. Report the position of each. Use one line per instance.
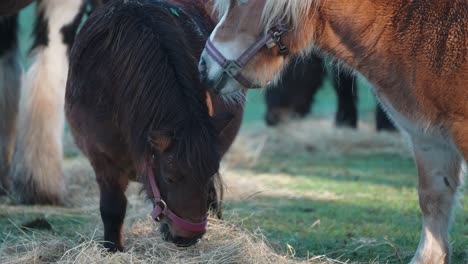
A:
(234, 34)
(230, 51)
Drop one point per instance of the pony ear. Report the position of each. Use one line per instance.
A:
(160, 141)
(222, 121)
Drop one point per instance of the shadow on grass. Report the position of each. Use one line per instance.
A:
(343, 230)
(62, 224)
(377, 169)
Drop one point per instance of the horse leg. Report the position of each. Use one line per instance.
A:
(383, 122)
(295, 93)
(308, 78)
(345, 87)
(440, 169)
(10, 75)
(113, 202)
(36, 168)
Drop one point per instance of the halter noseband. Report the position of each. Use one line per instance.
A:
(233, 68)
(161, 209)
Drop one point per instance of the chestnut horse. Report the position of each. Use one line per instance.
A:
(293, 95)
(138, 111)
(414, 53)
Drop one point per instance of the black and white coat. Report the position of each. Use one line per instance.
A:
(32, 104)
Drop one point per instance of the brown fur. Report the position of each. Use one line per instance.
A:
(151, 115)
(419, 46)
(414, 52)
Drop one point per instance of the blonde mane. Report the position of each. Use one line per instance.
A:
(289, 11)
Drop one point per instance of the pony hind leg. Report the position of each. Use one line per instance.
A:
(36, 168)
(440, 169)
(10, 75)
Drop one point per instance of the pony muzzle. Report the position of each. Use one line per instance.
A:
(234, 67)
(183, 228)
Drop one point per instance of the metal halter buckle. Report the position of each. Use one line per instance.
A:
(162, 204)
(232, 68)
(283, 50)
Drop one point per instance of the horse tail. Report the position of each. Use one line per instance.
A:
(36, 168)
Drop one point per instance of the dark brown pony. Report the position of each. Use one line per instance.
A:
(414, 53)
(138, 111)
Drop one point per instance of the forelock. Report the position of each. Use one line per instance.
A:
(290, 12)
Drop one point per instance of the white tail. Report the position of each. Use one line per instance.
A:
(36, 168)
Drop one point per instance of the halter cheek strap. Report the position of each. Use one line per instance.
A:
(233, 68)
(161, 209)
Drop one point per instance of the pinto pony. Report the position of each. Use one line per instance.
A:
(31, 108)
(138, 111)
(414, 53)
(293, 95)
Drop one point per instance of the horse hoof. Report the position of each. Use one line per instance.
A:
(31, 193)
(112, 247)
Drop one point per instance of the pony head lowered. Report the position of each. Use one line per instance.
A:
(258, 37)
(145, 70)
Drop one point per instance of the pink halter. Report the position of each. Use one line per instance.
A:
(160, 208)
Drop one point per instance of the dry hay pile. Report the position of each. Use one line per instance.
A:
(223, 242)
(314, 137)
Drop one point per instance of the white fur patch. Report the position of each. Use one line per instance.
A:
(38, 153)
(440, 169)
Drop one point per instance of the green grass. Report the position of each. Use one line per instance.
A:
(366, 205)
(64, 225)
